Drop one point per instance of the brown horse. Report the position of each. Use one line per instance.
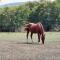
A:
(36, 28)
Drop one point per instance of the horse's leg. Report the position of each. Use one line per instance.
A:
(42, 41)
(31, 36)
(38, 37)
(27, 34)
(43, 38)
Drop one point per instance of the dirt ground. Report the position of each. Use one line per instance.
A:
(22, 51)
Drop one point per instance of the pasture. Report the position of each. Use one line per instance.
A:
(13, 46)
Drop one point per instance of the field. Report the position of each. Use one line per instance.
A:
(13, 46)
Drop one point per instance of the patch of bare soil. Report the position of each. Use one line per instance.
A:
(23, 51)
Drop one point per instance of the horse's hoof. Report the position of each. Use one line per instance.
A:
(43, 45)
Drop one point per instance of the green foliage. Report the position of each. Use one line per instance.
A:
(12, 18)
(58, 3)
(47, 14)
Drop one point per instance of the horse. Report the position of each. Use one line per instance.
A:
(35, 28)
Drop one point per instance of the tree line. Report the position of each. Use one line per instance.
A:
(48, 13)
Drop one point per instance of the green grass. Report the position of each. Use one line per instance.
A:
(52, 36)
(21, 37)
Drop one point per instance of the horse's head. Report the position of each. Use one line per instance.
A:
(26, 29)
(27, 26)
(43, 38)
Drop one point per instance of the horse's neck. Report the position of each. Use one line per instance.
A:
(41, 26)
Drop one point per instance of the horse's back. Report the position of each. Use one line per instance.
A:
(36, 27)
